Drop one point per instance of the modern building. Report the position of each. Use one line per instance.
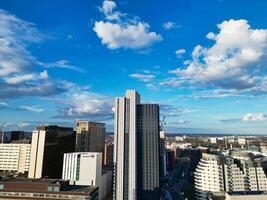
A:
(233, 172)
(52, 189)
(15, 157)
(136, 149)
(90, 136)
(49, 143)
(163, 157)
(108, 154)
(85, 168)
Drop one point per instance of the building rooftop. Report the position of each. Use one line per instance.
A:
(41, 185)
(247, 193)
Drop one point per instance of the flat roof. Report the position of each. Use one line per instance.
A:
(247, 193)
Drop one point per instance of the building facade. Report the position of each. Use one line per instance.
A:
(136, 148)
(49, 143)
(15, 157)
(85, 168)
(50, 189)
(228, 173)
(108, 154)
(90, 136)
(148, 164)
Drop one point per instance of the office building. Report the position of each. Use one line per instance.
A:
(90, 136)
(85, 168)
(15, 157)
(108, 154)
(233, 172)
(136, 149)
(163, 158)
(49, 143)
(52, 189)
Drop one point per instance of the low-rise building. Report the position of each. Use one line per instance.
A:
(85, 168)
(15, 157)
(52, 189)
(252, 195)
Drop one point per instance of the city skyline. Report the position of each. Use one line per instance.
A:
(202, 62)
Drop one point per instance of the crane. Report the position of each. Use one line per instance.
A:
(162, 123)
(2, 132)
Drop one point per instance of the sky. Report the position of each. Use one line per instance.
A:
(203, 62)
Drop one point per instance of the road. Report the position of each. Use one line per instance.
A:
(178, 180)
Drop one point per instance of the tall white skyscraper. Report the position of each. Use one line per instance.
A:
(125, 144)
(136, 149)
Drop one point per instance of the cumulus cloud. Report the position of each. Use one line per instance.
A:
(83, 104)
(249, 117)
(143, 77)
(179, 53)
(235, 61)
(255, 117)
(108, 7)
(123, 32)
(168, 25)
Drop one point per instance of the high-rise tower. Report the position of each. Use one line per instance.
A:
(136, 148)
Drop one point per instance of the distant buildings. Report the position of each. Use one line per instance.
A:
(49, 143)
(11, 136)
(15, 157)
(90, 136)
(236, 171)
(52, 189)
(85, 168)
(136, 149)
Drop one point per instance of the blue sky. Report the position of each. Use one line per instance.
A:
(204, 62)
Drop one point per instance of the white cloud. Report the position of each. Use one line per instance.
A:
(83, 104)
(26, 77)
(3, 104)
(182, 121)
(143, 77)
(36, 109)
(255, 117)
(15, 35)
(108, 7)
(179, 53)
(132, 36)
(23, 124)
(64, 64)
(168, 25)
(235, 61)
(173, 111)
(123, 32)
(172, 82)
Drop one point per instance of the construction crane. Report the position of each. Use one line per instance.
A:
(162, 123)
(2, 126)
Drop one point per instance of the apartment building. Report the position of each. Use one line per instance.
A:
(233, 172)
(15, 157)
